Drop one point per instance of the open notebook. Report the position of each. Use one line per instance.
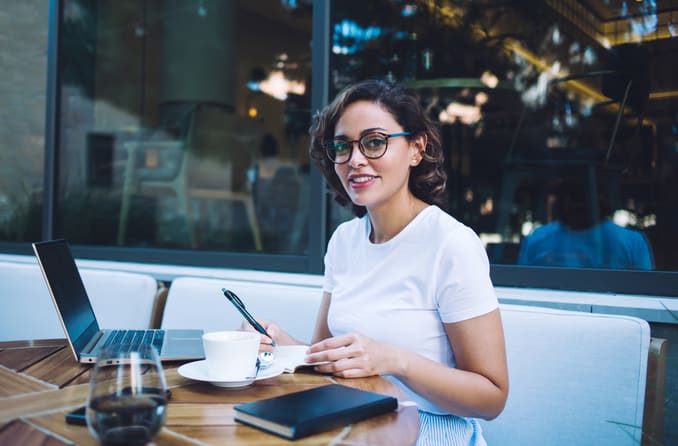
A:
(291, 357)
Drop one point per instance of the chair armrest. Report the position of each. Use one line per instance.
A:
(159, 305)
(653, 413)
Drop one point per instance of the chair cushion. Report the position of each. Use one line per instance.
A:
(199, 303)
(119, 300)
(575, 378)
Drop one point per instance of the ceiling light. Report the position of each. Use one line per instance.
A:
(489, 79)
(278, 86)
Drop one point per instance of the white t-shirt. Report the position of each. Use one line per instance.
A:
(434, 271)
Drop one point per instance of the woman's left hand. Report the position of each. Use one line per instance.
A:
(351, 356)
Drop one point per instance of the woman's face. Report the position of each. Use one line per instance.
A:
(376, 182)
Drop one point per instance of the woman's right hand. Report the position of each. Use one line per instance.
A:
(266, 343)
(277, 334)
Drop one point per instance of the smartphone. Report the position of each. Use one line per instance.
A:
(77, 416)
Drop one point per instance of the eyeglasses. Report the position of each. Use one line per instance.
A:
(372, 145)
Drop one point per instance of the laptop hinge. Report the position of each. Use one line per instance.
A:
(92, 343)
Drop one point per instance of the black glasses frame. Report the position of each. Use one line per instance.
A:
(329, 146)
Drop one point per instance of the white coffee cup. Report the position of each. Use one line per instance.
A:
(231, 355)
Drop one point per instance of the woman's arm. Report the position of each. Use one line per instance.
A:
(322, 331)
(478, 387)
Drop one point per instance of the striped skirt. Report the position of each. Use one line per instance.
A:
(448, 430)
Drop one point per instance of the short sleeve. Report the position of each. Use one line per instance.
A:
(465, 289)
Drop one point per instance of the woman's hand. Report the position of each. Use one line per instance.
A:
(277, 334)
(353, 356)
(266, 343)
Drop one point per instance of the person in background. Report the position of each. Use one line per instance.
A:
(578, 239)
(268, 161)
(275, 186)
(407, 293)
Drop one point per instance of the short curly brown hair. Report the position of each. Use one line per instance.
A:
(427, 180)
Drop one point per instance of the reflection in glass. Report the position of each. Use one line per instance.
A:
(529, 93)
(582, 234)
(23, 33)
(162, 118)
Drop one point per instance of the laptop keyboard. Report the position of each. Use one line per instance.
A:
(132, 339)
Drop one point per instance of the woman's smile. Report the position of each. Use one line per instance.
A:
(361, 181)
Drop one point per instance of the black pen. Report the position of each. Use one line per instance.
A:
(237, 303)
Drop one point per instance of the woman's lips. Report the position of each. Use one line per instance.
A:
(361, 181)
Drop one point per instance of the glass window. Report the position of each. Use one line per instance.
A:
(183, 124)
(23, 33)
(559, 119)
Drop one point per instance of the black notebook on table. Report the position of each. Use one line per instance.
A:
(304, 413)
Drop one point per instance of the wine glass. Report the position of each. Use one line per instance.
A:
(127, 396)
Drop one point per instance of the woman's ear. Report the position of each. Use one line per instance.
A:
(417, 148)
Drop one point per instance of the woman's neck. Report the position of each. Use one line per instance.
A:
(388, 220)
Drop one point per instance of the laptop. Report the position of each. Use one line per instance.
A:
(80, 324)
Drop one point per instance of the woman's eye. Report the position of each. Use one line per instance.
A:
(341, 146)
(373, 142)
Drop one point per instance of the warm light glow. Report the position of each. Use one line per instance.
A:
(278, 86)
(487, 238)
(467, 114)
(444, 117)
(481, 98)
(468, 195)
(489, 79)
(252, 112)
(663, 95)
(487, 206)
(544, 68)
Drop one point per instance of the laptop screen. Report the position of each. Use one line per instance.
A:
(67, 290)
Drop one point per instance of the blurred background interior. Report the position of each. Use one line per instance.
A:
(182, 124)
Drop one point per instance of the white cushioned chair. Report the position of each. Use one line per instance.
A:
(199, 303)
(575, 378)
(119, 300)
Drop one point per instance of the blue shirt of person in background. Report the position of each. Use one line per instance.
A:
(605, 245)
(576, 239)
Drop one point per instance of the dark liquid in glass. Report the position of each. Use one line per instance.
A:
(127, 419)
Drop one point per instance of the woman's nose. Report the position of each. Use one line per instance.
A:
(357, 157)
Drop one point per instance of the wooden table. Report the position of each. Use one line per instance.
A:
(40, 381)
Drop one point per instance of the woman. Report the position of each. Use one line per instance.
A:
(407, 292)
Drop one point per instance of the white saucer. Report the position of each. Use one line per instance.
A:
(197, 370)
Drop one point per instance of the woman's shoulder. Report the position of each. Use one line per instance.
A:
(439, 220)
(351, 228)
(449, 232)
